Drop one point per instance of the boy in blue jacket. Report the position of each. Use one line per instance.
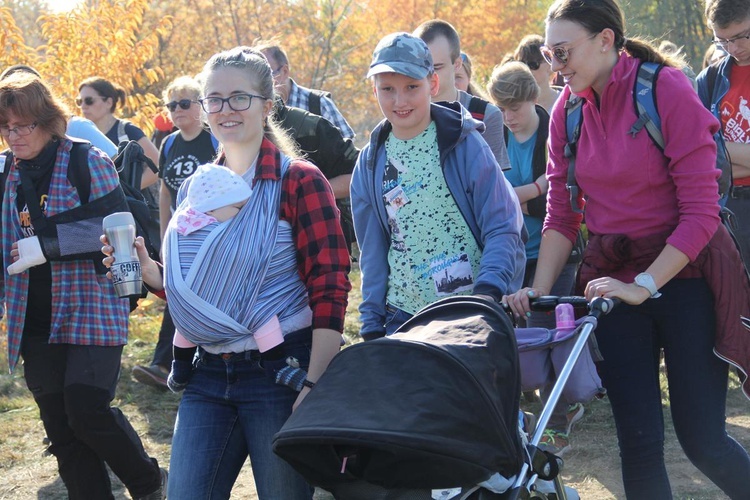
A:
(433, 214)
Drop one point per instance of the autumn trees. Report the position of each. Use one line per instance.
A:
(105, 39)
(144, 44)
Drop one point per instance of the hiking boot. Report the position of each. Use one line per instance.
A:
(554, 442)
(574, 414)
(154, 375)
(161, 493)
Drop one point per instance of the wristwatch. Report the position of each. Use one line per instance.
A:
(646, 281)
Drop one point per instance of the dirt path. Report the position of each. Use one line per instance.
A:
(591, 467)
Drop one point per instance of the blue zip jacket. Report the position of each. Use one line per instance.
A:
(711, 99)
(486, 201)
(721, 86)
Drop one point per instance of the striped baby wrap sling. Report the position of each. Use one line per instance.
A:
(226, 280)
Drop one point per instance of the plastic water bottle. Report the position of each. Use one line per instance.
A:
(565, 320)
(126, 271)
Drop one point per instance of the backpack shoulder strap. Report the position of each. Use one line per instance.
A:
(573, 122)
(6, 161)
(644, 97)
(79, 174)
(168, 142)
(314, 101)
(477, 107)
(121, 134)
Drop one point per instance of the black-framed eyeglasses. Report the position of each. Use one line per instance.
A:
(560, 53)
(182, 103)
(724, 42)
(19, 130)
(236, 102)
(88, 100)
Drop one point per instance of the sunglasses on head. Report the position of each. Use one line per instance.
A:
(88, 101)
(183, 103)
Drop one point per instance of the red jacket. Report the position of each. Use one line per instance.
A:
(719, 263)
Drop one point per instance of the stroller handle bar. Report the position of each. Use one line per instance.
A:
(598, 307)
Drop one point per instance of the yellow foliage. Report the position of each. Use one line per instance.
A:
(142, 45)
(13, 49)
(102, 39)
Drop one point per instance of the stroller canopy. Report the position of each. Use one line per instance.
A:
(433, 406)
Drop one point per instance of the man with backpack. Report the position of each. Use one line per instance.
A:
(317, 102)
(724, 88)
(324, 145)
(445, 46)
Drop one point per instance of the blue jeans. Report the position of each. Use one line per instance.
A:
(394, 318)
(681, 322)
(231, 409)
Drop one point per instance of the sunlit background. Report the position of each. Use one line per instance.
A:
(62, 5)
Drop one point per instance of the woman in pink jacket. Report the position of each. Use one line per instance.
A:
(653, 218)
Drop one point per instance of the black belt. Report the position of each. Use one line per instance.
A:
(741, 192)
(229, 356)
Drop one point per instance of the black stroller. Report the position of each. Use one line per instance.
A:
(431, 412)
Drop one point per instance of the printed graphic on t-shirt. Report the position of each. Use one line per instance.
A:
(433, 253)
(735, 109)
(179, 169)
(394, 198)
(451, 274)
(25, 217)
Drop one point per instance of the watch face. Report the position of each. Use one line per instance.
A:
(646, 281)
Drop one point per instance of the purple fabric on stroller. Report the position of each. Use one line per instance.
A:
(542, 358)
(534, 356)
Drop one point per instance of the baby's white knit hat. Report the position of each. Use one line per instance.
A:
(213, 186)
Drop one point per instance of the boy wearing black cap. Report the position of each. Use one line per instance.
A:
(433, 214)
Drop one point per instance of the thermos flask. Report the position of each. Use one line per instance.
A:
(119, 228)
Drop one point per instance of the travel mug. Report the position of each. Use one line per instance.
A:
(126, 270)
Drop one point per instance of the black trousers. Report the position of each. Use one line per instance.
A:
(73, 386)
(163, 350)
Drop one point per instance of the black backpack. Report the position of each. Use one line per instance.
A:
(477, 108)
(314, 101)
(129, 164)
